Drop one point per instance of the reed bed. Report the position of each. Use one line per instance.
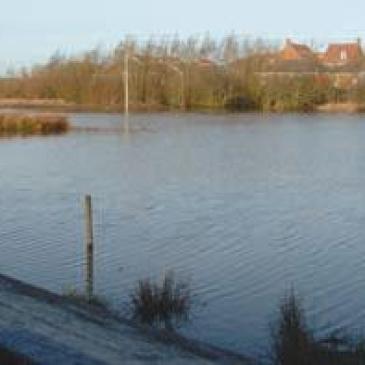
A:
(33, 124)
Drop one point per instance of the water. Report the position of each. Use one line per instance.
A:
(243, 206)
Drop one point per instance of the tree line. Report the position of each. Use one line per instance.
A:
(192, 73)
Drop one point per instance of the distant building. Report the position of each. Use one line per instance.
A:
(296, 52)
(341, 54)
(336, 55)
(342, 65)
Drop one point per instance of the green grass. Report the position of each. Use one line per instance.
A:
(33, 124)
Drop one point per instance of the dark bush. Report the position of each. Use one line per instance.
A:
(239, 104)
(293, 342)
(32, 124)
(291, 339)
(167, 303)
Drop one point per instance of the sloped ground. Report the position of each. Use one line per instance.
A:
(50, 329)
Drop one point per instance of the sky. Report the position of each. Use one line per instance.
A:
(32, 30)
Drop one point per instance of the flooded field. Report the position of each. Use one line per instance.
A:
(245, 207)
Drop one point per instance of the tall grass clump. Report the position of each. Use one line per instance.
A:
(166, 303)
(32, 124)
(291, 339)
(294, 342)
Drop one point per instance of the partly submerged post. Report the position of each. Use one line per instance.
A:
(89, 246)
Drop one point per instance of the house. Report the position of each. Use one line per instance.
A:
(341, 66)
(341, 54)
(296, 52)
(336, 55)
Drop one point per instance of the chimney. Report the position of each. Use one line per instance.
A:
(359, 42)
(288, 42)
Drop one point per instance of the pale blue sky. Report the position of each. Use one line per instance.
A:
(31, 30)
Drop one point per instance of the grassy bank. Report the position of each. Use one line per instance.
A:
(276, 105)
(33, 124)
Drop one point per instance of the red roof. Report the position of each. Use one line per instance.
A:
(342, 53)
(296, 51)
(302, 49)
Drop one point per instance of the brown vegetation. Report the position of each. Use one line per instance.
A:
(179, 74)
(38, 103)
(32, 124)
(293, 342)
(349, 107)
(166, 303)
(193, 73)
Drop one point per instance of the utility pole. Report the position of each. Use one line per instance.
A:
(182, 83)
(127, 59)
(126, 83)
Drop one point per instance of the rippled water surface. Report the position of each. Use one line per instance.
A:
(243, 206)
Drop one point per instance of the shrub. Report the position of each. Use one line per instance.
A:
(240, 104)
(291, 339)
(166, 303)
(293, 342)
(32, 124)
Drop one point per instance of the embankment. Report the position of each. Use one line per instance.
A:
(51, 329)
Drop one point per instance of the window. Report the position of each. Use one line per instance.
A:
(343, 55)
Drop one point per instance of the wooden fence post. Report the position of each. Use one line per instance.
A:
(89, 246)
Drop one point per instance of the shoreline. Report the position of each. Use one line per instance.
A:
(328, 108)
(22, 303)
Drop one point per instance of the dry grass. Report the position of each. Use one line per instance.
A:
(293, 342)
(166, 303)
(291, 339)
(33, 124)
(24, 102)
(350, 107)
